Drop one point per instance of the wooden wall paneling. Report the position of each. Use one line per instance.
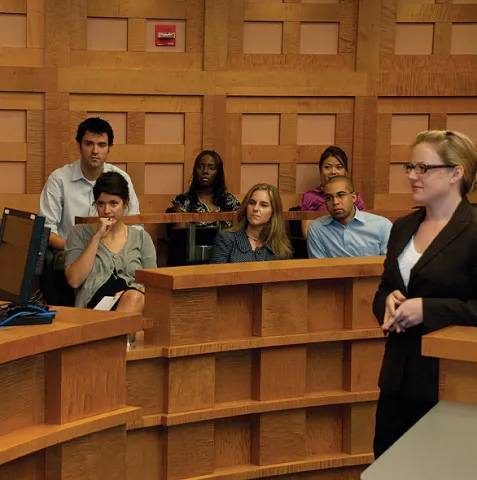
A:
(172, 322)
(75, 118)
(287, 177)
(442, 38)
(383, 153)
(324, 427)
(195, 26)
(79, 27)
(29, 467)
(13, 6)
(288, 136)
(362, 364)
(388, 28)
(364, 148)
(291, 38)
(22, 394)
(279, 437)
(232, 442)
(146, 454)
(344, 135)
(279, 373)
(193, 144)
(136, 133)
(359, 420)
(216, 30)
(236, 27)
(35, 164)
(105, 451)
(324, 367)
(214, 123)
(348, 27)
(190, 383)
(235, 312)
(457, 381)
(136, 34)
(282, 12)
(58, 33)
(35, 10)
(13, 152)
(233, 141)
(280, 308)
(57, 131)
(106, 8)
(233, 376)
(146, 385)
(190, 450)
(369, 25)
(100, 386)
(438, 121)
(359, 302)
(326, 300)
(152, 9)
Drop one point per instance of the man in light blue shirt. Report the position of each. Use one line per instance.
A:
(347, 231)
(68, 192)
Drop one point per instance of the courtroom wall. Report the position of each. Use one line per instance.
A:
(269, 84)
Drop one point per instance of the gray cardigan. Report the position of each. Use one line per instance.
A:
(137, 253)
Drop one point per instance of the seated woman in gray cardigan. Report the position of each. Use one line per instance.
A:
(260, 232)
(102, 259)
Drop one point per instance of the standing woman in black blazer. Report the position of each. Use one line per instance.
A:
(429, 280)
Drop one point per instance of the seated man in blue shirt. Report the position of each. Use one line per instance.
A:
(68, 191)
(347, 231)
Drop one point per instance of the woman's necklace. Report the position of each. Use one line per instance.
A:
(251, 238)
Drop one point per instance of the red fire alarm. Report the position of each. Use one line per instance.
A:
(165, 35)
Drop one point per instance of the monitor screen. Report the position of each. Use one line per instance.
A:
(21, 244)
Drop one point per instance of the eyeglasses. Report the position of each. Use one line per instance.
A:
(421, 168)
(339, 196)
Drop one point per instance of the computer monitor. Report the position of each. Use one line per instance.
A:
(23, 244)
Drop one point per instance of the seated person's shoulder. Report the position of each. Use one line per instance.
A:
(226, 237)
(183, 201)
(230, 202)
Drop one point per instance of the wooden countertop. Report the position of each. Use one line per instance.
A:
(198, 276)
(453, 343)
(72, 326)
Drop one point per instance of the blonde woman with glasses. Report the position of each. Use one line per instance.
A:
(429, 280)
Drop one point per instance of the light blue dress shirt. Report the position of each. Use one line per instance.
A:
(365, 235)
(68, 194)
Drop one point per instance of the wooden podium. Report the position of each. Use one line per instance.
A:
(256, 370)
(63, 410)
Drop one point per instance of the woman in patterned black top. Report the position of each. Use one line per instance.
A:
(207, 191)
(260, 232)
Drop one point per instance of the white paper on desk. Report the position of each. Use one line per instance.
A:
(106, 303)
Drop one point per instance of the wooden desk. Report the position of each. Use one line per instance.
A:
(456, 347)
(255, 370)
(63, 410)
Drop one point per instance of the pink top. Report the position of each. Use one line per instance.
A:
(315, 200)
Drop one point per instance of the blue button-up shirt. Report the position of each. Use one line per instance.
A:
(68, 194)
(365, 235)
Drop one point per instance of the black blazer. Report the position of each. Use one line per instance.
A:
(446, 278)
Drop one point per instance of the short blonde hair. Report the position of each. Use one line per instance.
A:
(455, 149)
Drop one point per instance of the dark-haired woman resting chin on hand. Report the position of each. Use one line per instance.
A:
(259, 234)
(102, 259)
(207, 191)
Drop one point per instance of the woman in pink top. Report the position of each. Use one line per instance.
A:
(333, 162)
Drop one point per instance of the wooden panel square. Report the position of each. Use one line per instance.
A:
(324, 426)
(85, 380)
(235, 312)
(279, 437)
(190, 450)
(458, 381)
(359, 420)
(22, 394)
(359, 302)
(279, 373)
(262, 37)
(324, 367)
(232, 441)
(414, 39)
(362, 364)
(326, 305)
(190, 383)
(146, 384)
(146, 454)
(233, 376)
(280, 308)
(105, 451)
(29, 467)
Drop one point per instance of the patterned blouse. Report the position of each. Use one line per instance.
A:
(187, 204)
(234, 247)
